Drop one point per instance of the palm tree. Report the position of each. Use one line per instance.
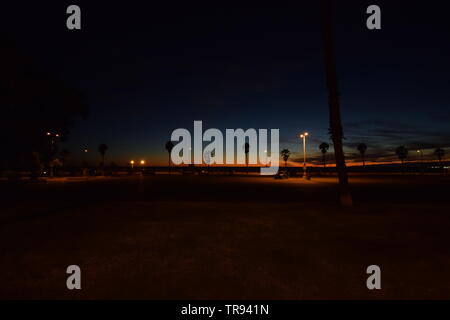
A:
(362, 150)
(440, 153)
(169, 147)
(333, 102)
(285, 154)
(324, 148)
(402, 154)
(102, 150)
(208, 156)
(246, 150)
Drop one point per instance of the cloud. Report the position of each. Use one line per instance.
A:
(382, 138)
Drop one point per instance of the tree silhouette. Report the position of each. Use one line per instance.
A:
(324, 148)
(333, 102)
(102, 150)
(440, 153)
(169, 147)
(402, 154)
(285, 154)
(362, 151)
(34, 102)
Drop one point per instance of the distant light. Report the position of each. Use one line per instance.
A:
(132, 161)
(85, 150)
(142, 162)
(57, 135)
(48, 133)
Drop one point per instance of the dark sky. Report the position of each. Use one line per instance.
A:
(147, 70)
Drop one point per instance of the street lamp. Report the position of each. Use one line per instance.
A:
(51, 149)
(265, 155)
(142, 162)
(421, 159)
(303, 136)
(421, 155)
(49, 134)
(132, 164)
(84, 162)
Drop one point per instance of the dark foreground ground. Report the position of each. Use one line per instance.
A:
(206, 237)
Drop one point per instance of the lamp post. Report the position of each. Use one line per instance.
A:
(265, 155)
(84, 162)
(420, 152)
(51, 149)
(421, 155)
(303, 136)
(52, 139)
(132, 164)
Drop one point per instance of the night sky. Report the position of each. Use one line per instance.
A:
(147, 70)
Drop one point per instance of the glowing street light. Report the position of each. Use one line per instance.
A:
(51, 139)
(142, 162)
(132, 164)
(48, 133)
(303, 136)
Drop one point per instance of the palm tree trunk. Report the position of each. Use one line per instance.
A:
(169, 165)
(324, 162)
(246, 161)
(333, 102)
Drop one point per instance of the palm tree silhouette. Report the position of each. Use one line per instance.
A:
(169, 147)
(324, 148)
(246, 150)
(102, 150)
(440, 153)
(402, 154)
(362, 150)
(285, 154)
(37, 94)
(333, 102)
